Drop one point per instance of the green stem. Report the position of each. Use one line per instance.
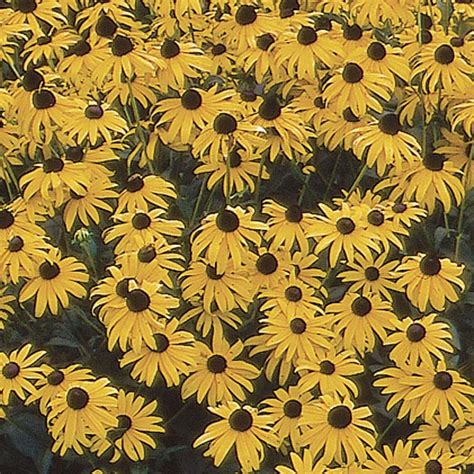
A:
(198, 203)
(389, 427)
(333, 176)
(356, 182)
(259, 181)
(303, 191)
(466, 180)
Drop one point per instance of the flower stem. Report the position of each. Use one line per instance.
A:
(198, 203)
(356, 182)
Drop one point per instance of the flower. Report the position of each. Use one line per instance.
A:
(217, 375)
(338, 429)
(243, 428)
(17, 371)
(303, 464)
(391, 460)
(429, 279)
(432, 463)
(84, 408)
(54, 280)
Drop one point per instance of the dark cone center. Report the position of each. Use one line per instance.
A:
(75, 154)
(234, 159)
(323, 23)
(106, 27)
(376, 51)
(265, 41)
(124, 423)
(191, 100)
(292, 408)
(375, 218)
(399, 207)
(121, 288)
(218, 49)
(216, 364)
(298, 326)
(48, 270)
(32, 80)
(55, 377)
(326, 367)
(147, 254)
(24, 6)
(134, 183)
(349, 116)
(141, 221)
(240, 420)
(293, 293)
(372, 273)
(224, 124)
(390, 124)
(352, 32)
(433, 467)
(307, 35)
(270, 109)
(245, 15)
(53, 165)
(162, 343)
(294, 213)
(77, 398)
(81, 48)
(6, 219)
(426, 37)
(434, 162)
(430, 265)
(169, 49)
(227, 221)
(212, 274)
(345, 225)
(444, 54)
(443, 380)
(10, 370)
(94, 112)
(121, 45)
(446, 433)
(340, 417)
(392, 470)
(138, 300)
(425, 21)
(361, 306)
(457, 42)
(43, 99)
(416, 332)
(15, 244)
(352, 73)
(267, 264)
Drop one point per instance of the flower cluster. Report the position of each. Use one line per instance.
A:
(229, 205)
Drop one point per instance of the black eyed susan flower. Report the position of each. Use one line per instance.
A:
(430, 463)
(135, 424)
(18, 371)
(144, 192)
(464, 437)
(217, 376)
(191, 112)
(390, 460)
(84, 408)
(440, 65)
(288, 225)
(226, 235)
(429, 279)
(142, 313)
(286, 410)
(146, 225)
(430, 180)
(329, 370)
(303, 51)
(342, 230)
(461, 115)
(171, 355)
(85, 206)
(304, 270)
(419, 341)
(55, 279)
(52, 178)
(297, 337)
(243, 428)
(179, 61)
(357, 89)
(304, 463)
(439, 391)
(384, 144)
(292, 298)
(94, 122)
(414, 105)
(431, 437)
(359, 319)
(338, 429)
(382, 228)
(223, 133)
(236, 171)
(404, 213)
(228, 289)
(372, 276)
(135, 88)
(311, 105)
(53, 381)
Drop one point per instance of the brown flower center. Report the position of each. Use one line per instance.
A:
(15, 244)
(372, 273)
(352, 32)
(94, 112)
(162, 343)
(430, 265)
(48, 270)
(138, 300)
(361, 306)
(32, 80)
(267, 264)
(106, 27)
(11, 370)
(375, 218)
(191, 99)
(224, 124)
(245, 15)
(121, 46)
(270, 109)
(390, 124)
(298, 326)
(444, 54)
(216, 364)
(292, 408)
(169, 49)
(326, 367)
(227, 221)
(345, 225)
(307, 36)
(443, 380)
(294, 213)
(376, 51)
(433, 467)
(6, 219)
(240, 420)
(43, 99)
(340, 417)
(135, 183)
(141, 221)
(415, 332)
(265, 41)
(147, 254)
(293, 293)
(77, 398)
(55, 377)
